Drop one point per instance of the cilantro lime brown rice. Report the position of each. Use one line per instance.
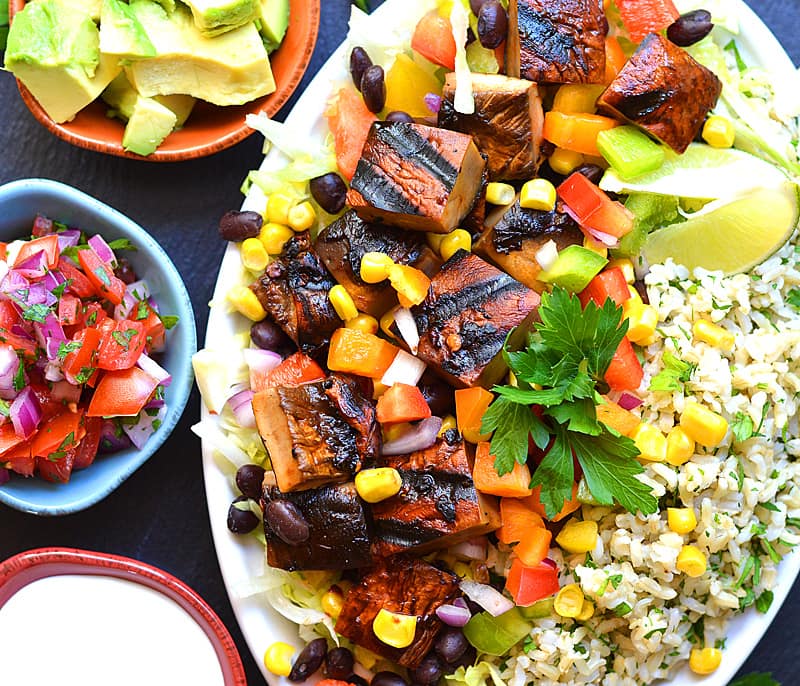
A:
(486, 427)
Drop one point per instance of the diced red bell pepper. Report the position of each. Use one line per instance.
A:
(609, 283)
(433, 39)
(294, 370)
(122, 344)
(81, 363)
(46, 244)
(78, 284)
(625, 372)
(101, 276)
(122, 393)
(646, 16)
(529, 584)
(592, 208)
(402, 403)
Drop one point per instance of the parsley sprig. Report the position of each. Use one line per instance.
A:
(560, 370)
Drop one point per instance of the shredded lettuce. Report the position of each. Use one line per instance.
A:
(476, 675)
(463, 100)
(209, 430)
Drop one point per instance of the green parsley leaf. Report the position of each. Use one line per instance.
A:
(742, 427)
(36, 313)
(168, 320)
(732, 47)
(121, 244)
(102, 274)
(512, 424)
(142, 311)
(58, 291)
(676, 372)
(764, 601)
(578, 415)
(65, 349)
(555, 475)
(19, 377)
(85, 374)
(362, 5)
(793, 298)
(72, 251)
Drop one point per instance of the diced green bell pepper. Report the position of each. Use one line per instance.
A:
(630, 151)
(496, 635)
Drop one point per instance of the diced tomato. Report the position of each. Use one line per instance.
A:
(646, 16)
(402, 403)
(593, 208)
(3, 251)
(101, 276)
(8, 439)
(57, 469)
(68, 308)
(20, 460)
(529, 584)
(294, 370)
(9, 314)
(625, 372)
(24, 345)
(122, 344)
(58, 434)
(79, 364)
(86, 450)
(433, 39)
(46, 244)
(155, 332)
(349, 121)
(609, 283)
(77, 281)
(122, 393)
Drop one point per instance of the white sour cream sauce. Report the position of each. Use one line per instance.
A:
(85, 630)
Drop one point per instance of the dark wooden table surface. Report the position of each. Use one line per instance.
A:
(159, 515)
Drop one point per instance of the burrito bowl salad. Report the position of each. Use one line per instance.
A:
(512, 393)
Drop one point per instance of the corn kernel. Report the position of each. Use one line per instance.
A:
(455, 241)
(652, 444)
(462, 570)
(500, 193)
(578, 537)
(245, 302)
(254, 255)
(538, 194)
(680, 447)
(627, 268)
(342, 302)
(634, 296)
(365, 323)
(394, 629)
(564, 161)
(375, 267)
(332, 601)
(278, 658)
(719, 132)
(449, 422)
(278, 206)
(703, 425)
(386, 322)
(274, 237)
(642, 322)
(587, 611)
(569, 601)
(681, 520)
(595, 246)
(713, 334)
(302, 217)
(374, 485)
(691, 561)
(705, 660)
(411, 284)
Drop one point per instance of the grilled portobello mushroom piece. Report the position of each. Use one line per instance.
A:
(663, 90)
(506, 125)
(338, 530)
(403, 585)
(294, 292)
(437, 505)
(515, 234)
(473, 222)
(557, 41)
(470, 309)
(317, 433)
(342, 244)
(416, 177)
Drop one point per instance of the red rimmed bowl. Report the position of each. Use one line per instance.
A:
(210, 128)
(33, 580)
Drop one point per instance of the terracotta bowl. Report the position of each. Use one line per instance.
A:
(210, 128)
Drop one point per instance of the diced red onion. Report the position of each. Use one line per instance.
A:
(260, 361)
(149, 365)
(100, 248)
(453, 615)
(14, 284)
(140, 432)
(460, 602)
(416, 437)
(110, 442)
(628, 401)
(605, 238)
(407, 327)
(156, 403)
(471, 549)
(433, 102)
(5, 476)
(547, 255)
(53, 279)
(241, 405)
(134, 293)
(50, 335)
(9, 364)
(33, 266)
(490, 599)
(37, 294)
(53, 372)
(64, 390)
(152, 302)
(68, 239)
(550, 563)
(25, 413)
(405, 369)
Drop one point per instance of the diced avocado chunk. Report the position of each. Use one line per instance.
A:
(230, 69)
(93, 7)
(213, 17)
(121, 33)
(181, 106)
(149, 124)
(121, 97)
(54, 49)
(273, 21)
(574, 268)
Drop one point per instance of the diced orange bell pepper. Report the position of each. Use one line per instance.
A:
(411, 284)
(407, 84)
(574, 98)
(646, 16)
(349, 121)
(527, 584)
(617, 418)
(514, 484)
(535, 503)
(518, 519)
(576, 131)
(357, 352)
(533, 548)
(471, 405)
(402, 403)
(615, 58)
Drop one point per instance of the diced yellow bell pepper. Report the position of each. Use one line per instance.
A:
(407, 84)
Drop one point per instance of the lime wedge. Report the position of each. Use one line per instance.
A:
(701, 172)
(729, 235)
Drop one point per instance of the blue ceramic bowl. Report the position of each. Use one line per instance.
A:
(20, 202)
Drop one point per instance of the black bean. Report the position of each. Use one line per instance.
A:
(492, 24)
(451, 644)
(359, 63)
(438, 395)
(329, 191)
(357, 680)
(429, 671)
(309, 660)
(475, 6)
(236, 226)
(466, 660)
(592, 172)
(241, 521)
(124, 271)
(267, 335)
(286, 520)
(400, 116)
(690, 28)
(373, 88)
(249, 478)
(339, 663)
(388, 679)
